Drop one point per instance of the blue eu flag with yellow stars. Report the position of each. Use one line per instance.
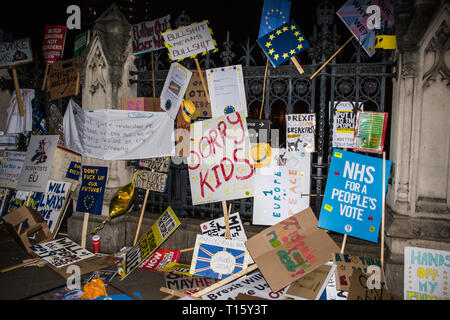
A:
(283, 43)
(274, 14)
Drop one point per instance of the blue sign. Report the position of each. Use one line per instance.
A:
(74, 170)
(92, 191)
(274, 14)
(352, 202)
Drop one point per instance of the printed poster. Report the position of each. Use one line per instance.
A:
(426, 273)
(10, 168)
(62, 252)
(187, 284)
(159, 259)
(174, 89)
(279, 188)
(370, 131)
(146, 36)
(217, 257)
(343, 124)
(81, 42)
(352, 202)
(159, 232)
(53, 44)
(117, 134)
(92, 190)
(38, 163)
(300, 132)
(220, 165)
(226, 90)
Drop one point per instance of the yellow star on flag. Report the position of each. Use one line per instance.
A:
(293, 27)
(285, 28)
(300, 39)
(271, 37)
(292, 51)
(278, 32)
(296, 33)
(268, 44)
(285, 55)
(299, 47)
(276, 56)
(271, 51)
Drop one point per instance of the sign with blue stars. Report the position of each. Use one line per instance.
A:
(274, 14)
(283, 43)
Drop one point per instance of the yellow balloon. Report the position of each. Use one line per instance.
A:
(121, 201)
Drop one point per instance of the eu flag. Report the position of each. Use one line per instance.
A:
(283, 43)
(274, 14)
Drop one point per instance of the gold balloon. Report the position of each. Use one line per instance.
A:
(121, 201)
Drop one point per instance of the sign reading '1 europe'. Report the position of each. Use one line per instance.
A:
(352, 202)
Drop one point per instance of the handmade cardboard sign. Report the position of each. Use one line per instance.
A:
(300, 132)
(174, 89)
(117, 134)
(275, 13)
(279, 188)
(12, 202)
(159, 259)
(92, 190)
(63, 79)
(61, 252)
(196, 94)
(359, 289)
(146, 36)
(370, 131)
(283, 43)
(160, 164)
(10, 168)
(74, 171)
(227, 90)
(343, 123)
(331, 291)
(426, 274)
(66, 166)
(346, 263)
(38, 163)
(352, 203)
(150, 180)
(217, 257)
(291, 249)
(189, 41)
(53, 43)
(141, 104)
(220, 166)
(166, 224)
(15, 53)
(81, 42)
(187, 284)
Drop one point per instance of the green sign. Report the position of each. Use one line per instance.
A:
(81, 43)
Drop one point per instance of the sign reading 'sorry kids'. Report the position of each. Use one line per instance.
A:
(146, 36)
(220, 165)
(90, 198)
(352, 202)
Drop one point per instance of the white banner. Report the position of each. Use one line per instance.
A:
(118, 134)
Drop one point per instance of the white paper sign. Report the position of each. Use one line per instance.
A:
(38, 163)
(226, 90)
(300, 132)
(174, 89)
(10, 168)
(216, 227)
(279, 189)
(343, 124)
(118, 134)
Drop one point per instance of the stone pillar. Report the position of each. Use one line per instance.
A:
(418, 200)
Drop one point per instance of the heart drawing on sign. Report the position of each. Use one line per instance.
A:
(89, 202)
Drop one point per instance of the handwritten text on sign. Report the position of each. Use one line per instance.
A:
(150, 180)
(146, 36)
(220, 167)
(14, 53)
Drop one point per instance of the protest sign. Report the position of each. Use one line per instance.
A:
(331, 292)
(352, 203)
(174, 89)
(217, 257)
(12, 202)
(104, 275)
(63, 79)
(346, 263)
(141, 104)
(291, 249)
(81, 42)
(279, 188)
(189, 41)
(343, 123)
(426, 273)
(370, 131)
(178, 268)
(226, 90)
(253, 285)
(160, 164)
(216, 227)
(159, 259)
(61, 252)
(150, 180)
(10, 168)
(359, 289)
(66, 166)
(220, 166)
(166, 224)
(38, 163)
(275, 13)
(74, 171)
(53, 44)
(15, 53)
(187, 284)
(300, 132)
(197, 95)
(311, 286)
(146, 36)
(92, 190)
(117, 134)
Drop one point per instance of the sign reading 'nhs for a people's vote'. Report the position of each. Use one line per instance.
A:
(352, 202)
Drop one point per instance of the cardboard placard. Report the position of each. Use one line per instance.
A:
(196, 94)
(141, 104)
(184, 283)
(146, 36)
(150, 180)
(10, 168)
(66, 166)
(92, 191)
(87, 265)
(15, 53)
(53, 44)
(300, 132)
(359, 290)
(63, 79)
(160, 164)
(291, 249)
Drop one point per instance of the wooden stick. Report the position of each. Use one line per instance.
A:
(44, 83)
(264, 89)
(77, 85)
(343, 243)
(382, 209)
(18, 95)
(331, 58)
(153, 75)
(21, 265)
(187, 250)
(227, 220)
(223, 282)
(84, 230)
(177, 293)
(202, 79)
(297, 65)
(136, 237)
